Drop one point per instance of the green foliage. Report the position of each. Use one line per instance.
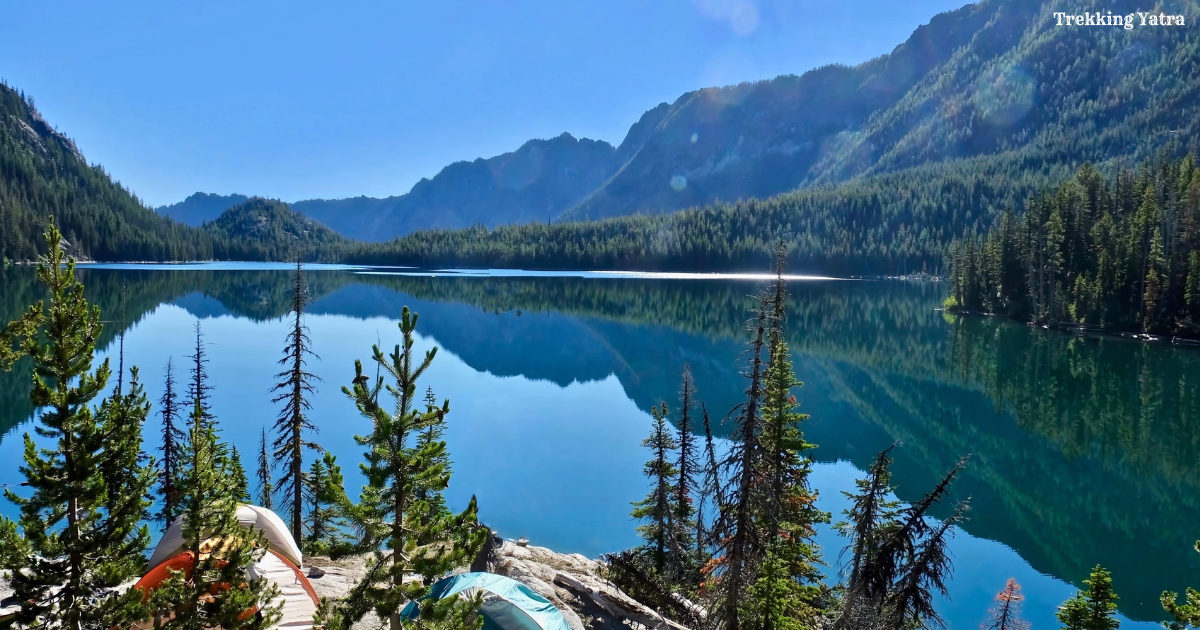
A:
(172, 438)
(241, 483)
(898, 558)
(43, 175)
(213, 591)
(328, 529)
(787, 591)
(294, 387)
(656, 509)
(79, 534)
(400, 529)
(267, 229)
(1116, 254)
(1094, 608)
(266, 489)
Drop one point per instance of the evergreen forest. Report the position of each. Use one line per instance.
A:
(1118, 253)
(728, 531)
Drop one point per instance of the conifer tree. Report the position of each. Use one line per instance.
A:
(432, 434)
(199, 407)
(1006, 615)
(241, 484)
(898, 558)
(78, 535)
(739, 546)
(1094, 608)
(394, 524)
(296, 384)
(326, 527)
(655, 509)
(213, 592)
(787, 592)
(684, 493)
(172, 437)
(265, 488)
(711, 493)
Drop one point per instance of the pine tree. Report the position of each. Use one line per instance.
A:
(78, 535)
(898, 559)
(172, 437)
(655, 509)
(684, 493)
(739, 546)
(1094, 608)
(241, 484)
(296, 384)
(265, 488)
(431, 435)
(788, 590)
(394, 525)
(214, 592)
(711, 493)
(326, 526)
(1006, 615)
(199, 407)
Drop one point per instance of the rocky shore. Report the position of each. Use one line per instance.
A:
(573, 583)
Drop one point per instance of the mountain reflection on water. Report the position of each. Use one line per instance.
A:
(1084, 450)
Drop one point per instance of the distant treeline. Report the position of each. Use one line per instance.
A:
(888, 224)
(1119, 253)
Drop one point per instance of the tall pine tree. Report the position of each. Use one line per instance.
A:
(78, 535)
(296, 384)
(656, 509)
(685, 493)
(396, 526)
(172, 438)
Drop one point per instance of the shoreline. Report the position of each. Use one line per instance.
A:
(1084, 330)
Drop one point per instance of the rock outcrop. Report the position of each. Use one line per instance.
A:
(573, 583)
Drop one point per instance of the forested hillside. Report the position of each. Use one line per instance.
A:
(536, 182)
(43, 174)
(200, 208)
(888, 224)
(896, 157)
(1121, 253)
(997, 80)
(270, 230)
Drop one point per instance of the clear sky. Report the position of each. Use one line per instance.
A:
(298, 99)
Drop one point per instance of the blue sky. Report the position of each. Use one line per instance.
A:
(300, 99)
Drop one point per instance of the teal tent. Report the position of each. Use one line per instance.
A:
(507, 603)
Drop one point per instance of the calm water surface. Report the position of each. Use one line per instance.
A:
(1084, 451)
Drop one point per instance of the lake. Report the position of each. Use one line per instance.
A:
(1083, 450)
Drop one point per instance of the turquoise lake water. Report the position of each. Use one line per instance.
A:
(1084, 450)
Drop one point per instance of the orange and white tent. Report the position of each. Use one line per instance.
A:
(251, 517)
(280, 565)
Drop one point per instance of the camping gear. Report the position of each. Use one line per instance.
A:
(278, 538)
(297, 597)
(279, 565)
(507, 603)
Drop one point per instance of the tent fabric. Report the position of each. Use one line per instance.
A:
(279, 539)
(507, 603)
(297, 596)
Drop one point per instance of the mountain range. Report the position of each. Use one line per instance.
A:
(891, 159)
